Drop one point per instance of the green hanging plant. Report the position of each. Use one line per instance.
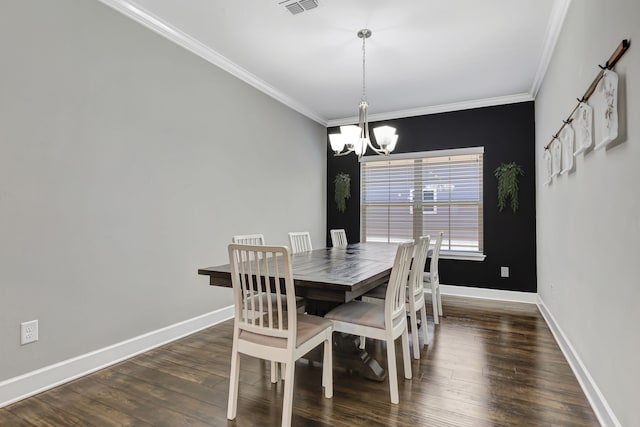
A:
(343, 190)
(507, 175)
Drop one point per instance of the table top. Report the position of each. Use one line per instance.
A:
(330, 274)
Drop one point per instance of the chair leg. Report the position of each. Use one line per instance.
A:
(425, 326)
(434, 301)
(327, 368)
(234, 378)
(363, 341)
(392, 372)
(440, 312)
(287, 403)
(274, 372)
(414, 335)
(405, 354)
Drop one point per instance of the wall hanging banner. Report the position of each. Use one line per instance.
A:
(608, 119)
(556, 156)
(548, 161)
(607, 82)
(583, 122)
(566, 141)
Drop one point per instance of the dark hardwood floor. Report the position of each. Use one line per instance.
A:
(487, 364)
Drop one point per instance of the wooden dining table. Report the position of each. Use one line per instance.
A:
(330, 274)
(328, 277)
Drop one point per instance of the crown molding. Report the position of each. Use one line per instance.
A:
(142, 16)
(421, 111)
(556, 21)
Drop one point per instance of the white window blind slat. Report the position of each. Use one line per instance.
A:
(409, 197)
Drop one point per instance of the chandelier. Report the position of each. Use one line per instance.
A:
(355, 139)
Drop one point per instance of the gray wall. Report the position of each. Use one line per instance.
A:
(126, 163)
(589, 222)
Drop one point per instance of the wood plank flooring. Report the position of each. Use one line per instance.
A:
(487, 364)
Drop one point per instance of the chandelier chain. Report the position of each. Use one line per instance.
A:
(364, 94)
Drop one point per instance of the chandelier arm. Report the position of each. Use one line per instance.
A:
(344, 153)
(377, 150)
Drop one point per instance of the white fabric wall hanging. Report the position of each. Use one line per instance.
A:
(556, 156)
(566, 142)
(583, 127)
(549, 166)
(609, 116)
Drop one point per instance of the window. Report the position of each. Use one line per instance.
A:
(428, 195)
(405, 196)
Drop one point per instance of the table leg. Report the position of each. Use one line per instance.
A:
(347, 353)
(348, 356)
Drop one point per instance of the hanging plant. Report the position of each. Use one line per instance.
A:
(343, 190)
(507, 175)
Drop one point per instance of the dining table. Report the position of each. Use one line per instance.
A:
(328, 277)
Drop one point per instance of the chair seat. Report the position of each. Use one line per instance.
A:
(379, 293)
(359, 313)
(308, 327)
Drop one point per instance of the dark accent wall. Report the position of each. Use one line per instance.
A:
(507, 134)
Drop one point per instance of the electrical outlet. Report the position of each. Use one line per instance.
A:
(28, 332)
(504, 271)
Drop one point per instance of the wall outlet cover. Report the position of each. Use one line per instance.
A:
(28, 332)
(504, 271)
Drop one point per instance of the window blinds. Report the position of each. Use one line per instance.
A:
(405, 198)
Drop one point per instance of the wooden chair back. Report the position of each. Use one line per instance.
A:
(338, 238)
(260, 276)
(433, 268)
(248, 239)
(416, 282)
(395, 300)
(300, 241)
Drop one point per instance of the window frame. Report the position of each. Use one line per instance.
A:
(446, 254)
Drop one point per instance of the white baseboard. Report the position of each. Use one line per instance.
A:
(23, 386)
(599, 404)
(493, 294)
(37, 381)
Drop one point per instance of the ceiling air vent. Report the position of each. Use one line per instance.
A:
(296, 7)
(308, 4)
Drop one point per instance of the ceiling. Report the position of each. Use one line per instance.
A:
(424, 56)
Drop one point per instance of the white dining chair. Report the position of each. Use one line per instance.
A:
(338, 238)
(272, 332)
(300, 241)
(258, 239)
(432, 280)
(415, 295)
(248, 239)
(382, 322)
